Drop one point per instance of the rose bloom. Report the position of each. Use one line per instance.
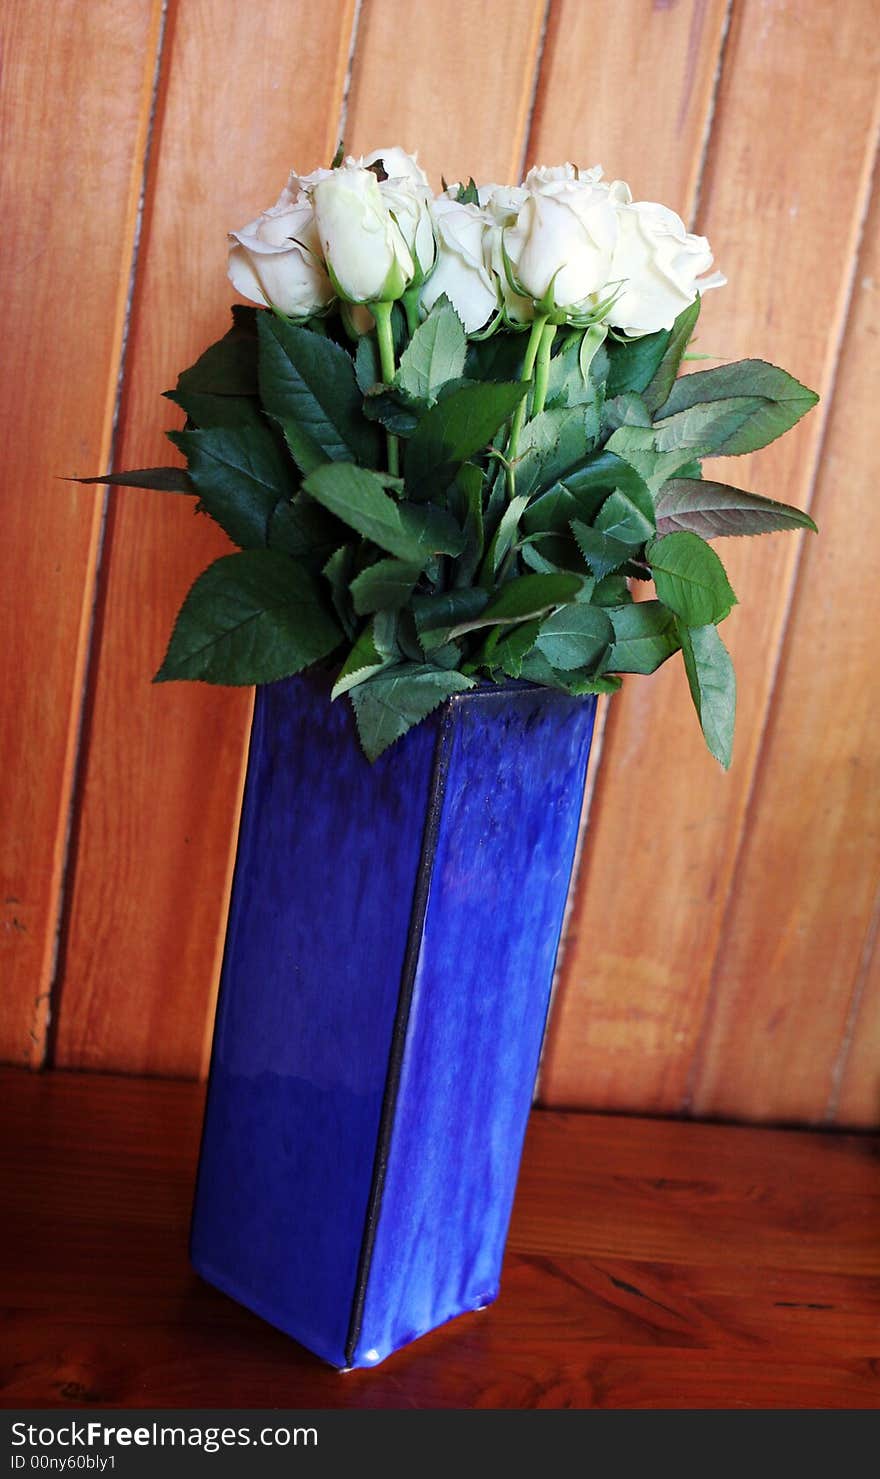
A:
(407, 194)
(276, 259)
(563, 236)
(366, 252)
(657, 267)
(461, 271)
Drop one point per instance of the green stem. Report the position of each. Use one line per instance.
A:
(542, 369)
(382, 314)
(519, 414)
(410, 301)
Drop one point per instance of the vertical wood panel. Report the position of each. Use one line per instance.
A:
(792, 951)
(72, 162)
(629, 84)
(164, 766)
(593, 56)
(855, 1090)
(459, 90)
(245, 94)
(722, 946)
(666, 822)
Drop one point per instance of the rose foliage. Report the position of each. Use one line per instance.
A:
(451, 446)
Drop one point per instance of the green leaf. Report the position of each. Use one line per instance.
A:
(552, 443)
(612, 590)
(392, 701)
(632, 363)
(578, 685)
(503, 538)
(569, 382)
(437, 616)
(367, 369)
(592, 340)
(304, 530)
(537, 669)
(707, 428)
(206, 410)
(308, 385)
(712, 683)
(645, 635)
(528, 595)
(448, 656)
(456, 428)
(637, 446)
(251, 617)
(602, 552)
(163, 479)
(337, 572)
(392, 408)
(713, 510)
(363, 660)
(582, 491)
(500, 357)
(435, 354)
(357, 496)
(469, 484)
(385, 586)
(627, 517)
(627, 409)
(228, 367)
(509, 652)
(663, 378)
(578, 636)
(690, 579)
(780, 401)
(240, 475)
(532, 556)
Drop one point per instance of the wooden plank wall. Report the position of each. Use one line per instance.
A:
(720, 957)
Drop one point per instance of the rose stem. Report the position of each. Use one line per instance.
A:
(542, 369)
(382, 314)
(519, 414)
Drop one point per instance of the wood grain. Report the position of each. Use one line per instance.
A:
(656, 142)
(604, 98)
(855, 1089)
(68, 195)
(666, 823)
(163, 765)
(681, 988)
(463, 95)
(803, 899)
(650, 1265)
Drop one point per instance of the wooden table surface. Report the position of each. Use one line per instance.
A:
(651, 1264)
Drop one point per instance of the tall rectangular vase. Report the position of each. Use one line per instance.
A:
(389, 956)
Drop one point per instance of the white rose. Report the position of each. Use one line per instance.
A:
(562, 241)
(407, 194)
(502, 204)
(658, 264)
(366, 253)
(398, 165)
(549, 174)
(298, 186)
(276, 260)
(461, 271)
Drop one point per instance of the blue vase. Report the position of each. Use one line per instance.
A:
(389, 957)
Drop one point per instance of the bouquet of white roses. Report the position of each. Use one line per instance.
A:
(450, 446)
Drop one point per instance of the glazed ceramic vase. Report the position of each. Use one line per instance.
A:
(390, 951)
